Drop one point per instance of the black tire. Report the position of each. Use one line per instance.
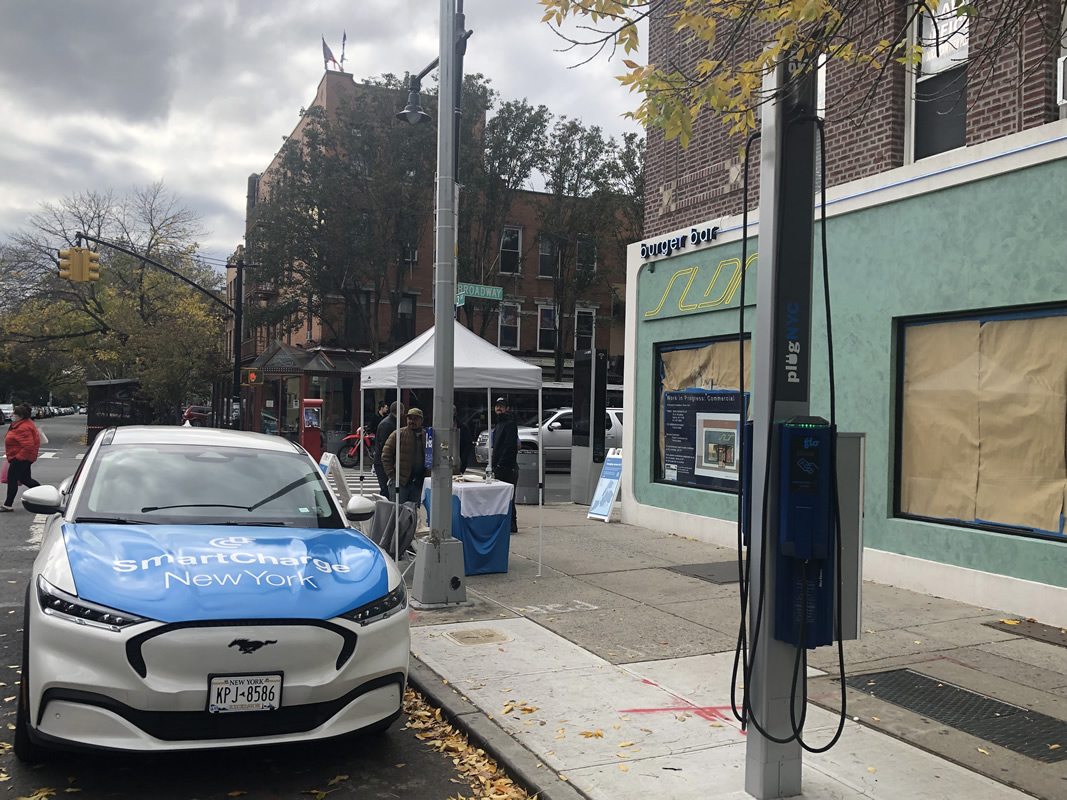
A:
(26, 750)
(378, 728)
(346, 459)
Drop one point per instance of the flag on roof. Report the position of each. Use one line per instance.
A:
(344, 38)
(327, 55)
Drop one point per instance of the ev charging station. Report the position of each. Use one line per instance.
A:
(588, 448)
(796, 544)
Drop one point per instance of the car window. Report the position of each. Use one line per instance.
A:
(564, 420)
(206, 485)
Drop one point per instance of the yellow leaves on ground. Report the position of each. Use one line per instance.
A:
(1011, 621)
(472, 763)
(39, 794)
(597, 734)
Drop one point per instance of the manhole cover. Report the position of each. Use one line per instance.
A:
(715, 572)
(1014, 728)
(474, 636)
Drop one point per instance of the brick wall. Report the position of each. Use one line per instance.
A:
(864, 112)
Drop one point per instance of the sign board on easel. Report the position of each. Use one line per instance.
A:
(607, 488)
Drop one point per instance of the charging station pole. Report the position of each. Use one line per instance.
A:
(781, 390)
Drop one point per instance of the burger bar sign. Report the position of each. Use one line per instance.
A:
(665, 247)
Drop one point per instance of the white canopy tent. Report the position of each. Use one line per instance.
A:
(477, 365)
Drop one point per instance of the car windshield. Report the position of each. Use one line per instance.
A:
(205, 485)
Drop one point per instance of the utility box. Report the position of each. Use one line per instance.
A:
(529, 467)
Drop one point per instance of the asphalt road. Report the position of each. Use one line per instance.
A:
(390, 765)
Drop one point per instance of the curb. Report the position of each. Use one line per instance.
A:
(521, 764)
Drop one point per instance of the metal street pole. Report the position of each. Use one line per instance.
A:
(439, 571)
(238, 306)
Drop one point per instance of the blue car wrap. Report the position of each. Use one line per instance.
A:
(176, 573)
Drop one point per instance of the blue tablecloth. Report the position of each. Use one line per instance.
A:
(481, 519)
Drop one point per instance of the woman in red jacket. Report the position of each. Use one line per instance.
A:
(22, 443)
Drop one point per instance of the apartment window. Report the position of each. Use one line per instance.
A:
(982, 412)
(405, 320)
(699, 412)
(941, 85)
(546, 329)
(510, 248)
(586, 254)
(584, 329)
(411, 257)
(508, 328)
(548, 260)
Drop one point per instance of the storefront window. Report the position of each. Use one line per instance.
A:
(982, 415)
(698, 413)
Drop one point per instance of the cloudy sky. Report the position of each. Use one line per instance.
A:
(99, 94)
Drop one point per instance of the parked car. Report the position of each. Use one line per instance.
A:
(204, 589)
(199, 416)
(7, 411)
(556, 435)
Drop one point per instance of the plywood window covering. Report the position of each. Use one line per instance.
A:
(984, 422)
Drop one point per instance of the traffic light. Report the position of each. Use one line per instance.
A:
(252, 376)
(67, 264)
(90, 266)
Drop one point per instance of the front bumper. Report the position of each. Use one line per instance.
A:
(146, 688)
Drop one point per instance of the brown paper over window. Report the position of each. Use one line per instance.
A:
(939, 421)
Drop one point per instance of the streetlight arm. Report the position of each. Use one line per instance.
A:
(79, 235)
(415, 81)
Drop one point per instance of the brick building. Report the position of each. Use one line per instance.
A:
(527, 322)
(946, 258)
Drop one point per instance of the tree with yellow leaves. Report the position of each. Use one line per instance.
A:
(723, 48)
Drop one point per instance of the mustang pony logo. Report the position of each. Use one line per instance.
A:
(250, 645)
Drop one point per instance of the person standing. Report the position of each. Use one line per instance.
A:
(506, 451)
(21, 445)
(385, 427)
(465, 442)
(404, 452)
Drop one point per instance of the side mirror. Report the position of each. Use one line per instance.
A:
(555, 426)
(358, 509)
(42, 500)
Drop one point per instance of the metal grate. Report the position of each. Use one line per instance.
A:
(1011, 727)
(716, 572)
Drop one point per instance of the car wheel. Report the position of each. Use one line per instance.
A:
(26, 750)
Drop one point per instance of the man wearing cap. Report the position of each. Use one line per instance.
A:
(506, 451)
(385, 427)
(408, 447)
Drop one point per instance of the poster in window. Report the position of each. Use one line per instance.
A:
(701, 432)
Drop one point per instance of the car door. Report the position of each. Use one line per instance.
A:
(557, 437)
(613, 431)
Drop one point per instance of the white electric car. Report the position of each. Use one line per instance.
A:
(201, 588)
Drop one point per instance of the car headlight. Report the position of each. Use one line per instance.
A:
(381, 608)
(57, 603)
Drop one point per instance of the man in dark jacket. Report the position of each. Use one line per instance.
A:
(506, 451)
(385, 427)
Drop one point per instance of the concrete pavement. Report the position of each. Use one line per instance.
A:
(608, 676)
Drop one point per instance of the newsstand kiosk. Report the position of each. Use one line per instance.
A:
(311, 426)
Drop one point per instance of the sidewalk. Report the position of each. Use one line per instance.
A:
(608, 677)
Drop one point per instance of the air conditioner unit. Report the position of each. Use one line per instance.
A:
(1061, 81)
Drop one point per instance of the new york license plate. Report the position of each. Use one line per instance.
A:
(244, 693)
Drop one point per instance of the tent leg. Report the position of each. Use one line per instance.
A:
(396, 485)
(540, 484)
(360, 433)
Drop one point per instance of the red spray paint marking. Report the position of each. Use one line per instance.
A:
(709, 713)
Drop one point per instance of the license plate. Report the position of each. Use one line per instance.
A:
(244, 693)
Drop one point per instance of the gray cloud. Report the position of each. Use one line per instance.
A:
(199, 93)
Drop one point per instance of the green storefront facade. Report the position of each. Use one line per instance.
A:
(958, 262)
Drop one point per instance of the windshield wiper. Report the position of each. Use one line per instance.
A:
(146, 509)
(114, 520)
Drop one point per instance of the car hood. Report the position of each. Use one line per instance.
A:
(175, 573)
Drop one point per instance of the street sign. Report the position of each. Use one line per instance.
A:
(479, 292)
(460, 298)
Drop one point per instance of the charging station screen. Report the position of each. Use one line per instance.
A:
(701, 434)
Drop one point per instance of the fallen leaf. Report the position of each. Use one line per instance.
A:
(528, 709)
(597, 734)
(627, 744)
(983, 752)
(1010, 621)
(622, 755)
(1053, 747)
(624, 768)
(876, 719)
(236, 793)
(871, 770)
